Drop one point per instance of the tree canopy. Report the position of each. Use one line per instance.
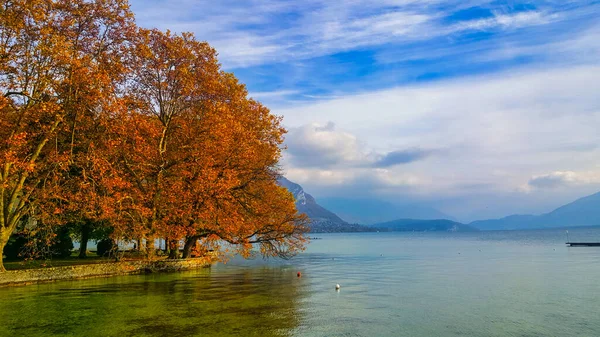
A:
(139, 131)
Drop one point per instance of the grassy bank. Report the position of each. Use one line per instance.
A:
(79, 269)
(70, 261)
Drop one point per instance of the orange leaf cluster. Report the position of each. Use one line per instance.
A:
(137, 129)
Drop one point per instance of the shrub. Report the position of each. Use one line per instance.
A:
(63, 244)
(15, 246)
(105, 247)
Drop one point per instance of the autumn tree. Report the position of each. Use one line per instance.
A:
(139, 130)
(233, 196)
(169, 75)
(60, 61)
(197, 150)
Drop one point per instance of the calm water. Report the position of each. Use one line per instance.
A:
(393, 284)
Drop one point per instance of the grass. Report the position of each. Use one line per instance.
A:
(72, 260)
(57, 262)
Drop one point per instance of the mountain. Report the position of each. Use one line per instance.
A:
(581, 212)
(437, 225)
(322, 219)
(308, 205)
(517, 221)
(371, 211)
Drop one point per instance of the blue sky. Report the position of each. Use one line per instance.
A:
(477, 108)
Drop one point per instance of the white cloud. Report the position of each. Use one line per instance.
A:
(322, 145)
(501, 133)
(321, 177)
(387, 178)
(497, 131)
(360, 180)
(554, 179)
(553, 47)
(517, 20)
(563, 179)
(253, 32)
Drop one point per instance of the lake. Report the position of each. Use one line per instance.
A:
(499, 283)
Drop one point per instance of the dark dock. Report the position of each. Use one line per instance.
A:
(583, 244)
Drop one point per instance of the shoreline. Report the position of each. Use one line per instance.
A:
(85, 271)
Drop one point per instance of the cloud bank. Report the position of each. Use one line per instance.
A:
(497, 133)
(480, 108)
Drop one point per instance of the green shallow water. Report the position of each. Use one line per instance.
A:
(393, 284)
(186, 304)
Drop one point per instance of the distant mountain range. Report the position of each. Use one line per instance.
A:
(381, 215)
(324, 220)
(439, 225)
(372, 211)
(581, 212)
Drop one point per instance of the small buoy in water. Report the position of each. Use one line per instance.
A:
(337, 287)
(381, 255)
(299, 274)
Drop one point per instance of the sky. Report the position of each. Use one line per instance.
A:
(480, 109)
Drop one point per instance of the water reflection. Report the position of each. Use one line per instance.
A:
(236, 301)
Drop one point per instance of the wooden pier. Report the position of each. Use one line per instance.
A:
(583, 244)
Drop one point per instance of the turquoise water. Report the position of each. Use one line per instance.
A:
(392, 284)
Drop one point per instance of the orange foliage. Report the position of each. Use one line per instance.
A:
(139, 129)
(59, 68)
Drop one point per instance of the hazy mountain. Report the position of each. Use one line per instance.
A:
(323, 220)
(438, 225)
(581, 212)
(308, 205)
(517, 221)
(371, 211)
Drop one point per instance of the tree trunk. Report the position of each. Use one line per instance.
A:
(85, 237)
(190, 243)
(150, 250)
(4, 236)
(173, 249)
(2, 244)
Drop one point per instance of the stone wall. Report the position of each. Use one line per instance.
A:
(28, 276)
